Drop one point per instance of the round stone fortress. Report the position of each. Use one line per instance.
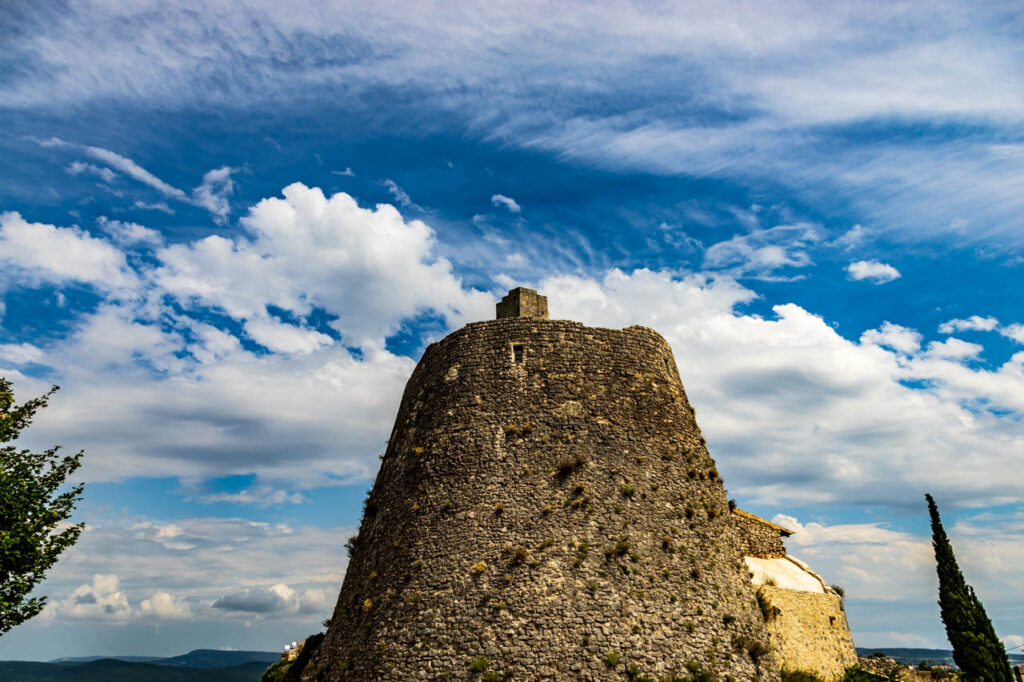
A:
(546, 509)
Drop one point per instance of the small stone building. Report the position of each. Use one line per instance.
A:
(806, 620)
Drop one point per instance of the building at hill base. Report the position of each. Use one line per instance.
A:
(547, 509)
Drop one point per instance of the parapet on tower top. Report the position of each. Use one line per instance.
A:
(522, 302)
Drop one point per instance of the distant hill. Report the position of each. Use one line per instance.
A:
(915, 656)
(197, 658)
(86, 659)
(202, 665)
(214, 658)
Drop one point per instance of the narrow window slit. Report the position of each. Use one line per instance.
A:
(517, 352)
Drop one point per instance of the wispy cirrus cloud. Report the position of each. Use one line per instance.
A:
(212, 193)
(698, 90)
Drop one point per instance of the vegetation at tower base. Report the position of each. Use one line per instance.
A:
(32, 512)
(976, 649)
(546, 506)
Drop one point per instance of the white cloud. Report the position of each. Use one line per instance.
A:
(348, 172)
(285, 338)
(197, 569)
(165, 606)
(1013, 331)
(973, 323)
(400, 195)
(45, 253)
(872, 270)
(763, 252)
(683, 94)
(160, 393)
(852, 238)
(79, 167)
(786, 394)
(875, 564)
(832, 420)
(261, 496)
(155, 206)
(889, 335)
(508, 202)
(953, 349)
(100, 600)
(133, 170)
(129, 234)
(20, 353)
(212, 194)
(305, 250)
(1013, 641)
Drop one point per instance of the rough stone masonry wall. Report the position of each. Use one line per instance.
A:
(809, 631)
(543, 518)
(759, 539)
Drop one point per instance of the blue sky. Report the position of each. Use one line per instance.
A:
(229, 229)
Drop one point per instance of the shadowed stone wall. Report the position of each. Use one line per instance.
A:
(522, 302)
(546, 509)
(760, 538)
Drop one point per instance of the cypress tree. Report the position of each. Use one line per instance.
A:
(977, 650)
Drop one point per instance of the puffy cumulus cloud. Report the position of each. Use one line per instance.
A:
(976, 323)
(876, 564)
(20, 353)
(160, 390)
(508, 202)
(38, 253)
(368, 267)
(311, 419)
(873, 271)
(281, 337)
(795, 413)
(165, 606)
(889, 335)
(1013, 331)
(278, 599)
(973, 323)
(953, 349)
(872, 562)
(102, 599)
(204, 569)
(260, 600)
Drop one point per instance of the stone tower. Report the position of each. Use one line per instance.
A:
(546, 509)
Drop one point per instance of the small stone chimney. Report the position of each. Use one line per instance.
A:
(522, 302)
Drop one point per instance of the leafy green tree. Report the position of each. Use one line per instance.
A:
(977, 650)
(33, 513)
